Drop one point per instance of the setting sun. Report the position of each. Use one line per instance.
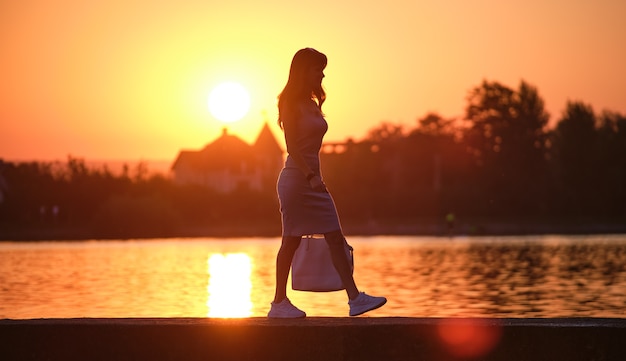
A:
(108, 73)
(229, 102)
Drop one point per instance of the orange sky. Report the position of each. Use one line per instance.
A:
(129, 79)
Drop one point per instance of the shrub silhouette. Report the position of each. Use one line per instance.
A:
(135, 216)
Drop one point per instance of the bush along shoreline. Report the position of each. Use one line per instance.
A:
(149, 228)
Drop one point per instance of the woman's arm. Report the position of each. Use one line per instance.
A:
(290, 127)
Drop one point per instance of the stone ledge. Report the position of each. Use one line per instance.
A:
(314, 338)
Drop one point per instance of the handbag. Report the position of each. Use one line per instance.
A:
(312, 267)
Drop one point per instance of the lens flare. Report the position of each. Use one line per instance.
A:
(469, 338)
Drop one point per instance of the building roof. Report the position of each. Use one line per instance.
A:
(229, 152)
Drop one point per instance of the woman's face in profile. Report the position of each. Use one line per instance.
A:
(315, 76)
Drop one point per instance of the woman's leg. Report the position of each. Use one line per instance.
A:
(336, 242)
(288, 247)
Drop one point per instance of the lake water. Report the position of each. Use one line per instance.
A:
(535, 276)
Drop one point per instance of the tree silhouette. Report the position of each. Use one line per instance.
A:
(438, 165)
(575, 152)
(612, 162)
(507, 138)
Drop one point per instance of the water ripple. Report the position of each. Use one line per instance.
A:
(542, 276)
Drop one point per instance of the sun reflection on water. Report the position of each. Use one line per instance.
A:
(230, 285)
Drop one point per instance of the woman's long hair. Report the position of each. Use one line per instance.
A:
(297, 88)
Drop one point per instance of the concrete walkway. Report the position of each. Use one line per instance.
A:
(324, 339)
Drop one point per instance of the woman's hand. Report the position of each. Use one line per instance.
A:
(317, 184)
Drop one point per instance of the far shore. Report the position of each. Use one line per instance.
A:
(254, 229)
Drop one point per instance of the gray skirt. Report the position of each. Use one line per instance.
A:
(304, 211)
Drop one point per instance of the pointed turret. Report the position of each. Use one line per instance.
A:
(266, 142)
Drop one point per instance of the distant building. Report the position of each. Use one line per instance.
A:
(229, 163)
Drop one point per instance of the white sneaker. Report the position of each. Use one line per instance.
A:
(285, 309)
(364, 302)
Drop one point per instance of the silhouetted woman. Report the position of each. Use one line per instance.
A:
(305, 204)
